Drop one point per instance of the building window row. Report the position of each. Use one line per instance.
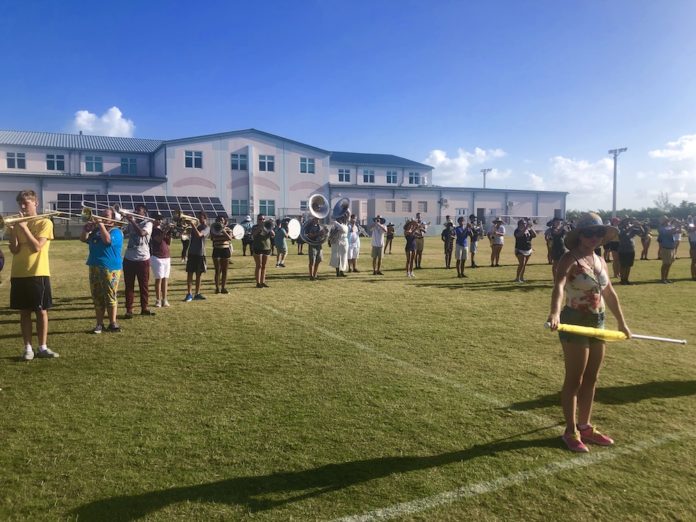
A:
(414, 178)
(406, 206)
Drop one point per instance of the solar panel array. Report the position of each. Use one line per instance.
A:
(165, 205)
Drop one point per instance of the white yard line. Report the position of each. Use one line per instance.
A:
(413, 368)
(488, 486)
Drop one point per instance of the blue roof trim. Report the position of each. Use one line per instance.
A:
(89, 142)
(387, 160)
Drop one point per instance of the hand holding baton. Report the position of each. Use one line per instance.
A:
(609, 335)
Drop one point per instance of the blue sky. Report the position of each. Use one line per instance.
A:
(536, 90)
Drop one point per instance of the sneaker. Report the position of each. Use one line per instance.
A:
(199, 297)
(129, 315)
(98, 329)
(113, 328)
(356, 270)
(166, 304)
(282, 265)
(147, 312)
(264, 285)
(259, 285)
(217, 290)
(28, 354)
(592, 436)
(158, 304)
(188, 298)
(47, 354)
(379, 273)
(572, 440)
(224, 291)
(464, 275)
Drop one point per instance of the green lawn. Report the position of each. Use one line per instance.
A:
(432, 398)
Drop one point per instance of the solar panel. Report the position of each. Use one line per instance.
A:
(165, 205)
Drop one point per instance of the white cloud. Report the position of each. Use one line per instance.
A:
(458, 170)
(684, 148)
(537, 182)
(111, 123)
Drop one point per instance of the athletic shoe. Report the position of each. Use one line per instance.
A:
(356, 270)
(147, 312)
(217, 290)
(199, 297)
(47, 354)
(592, 436)
(379, 273)
(129, 315)
(264, 285)
(259, 285)
(166, 304)
(282, 265)
(224, 291)
(188, 298)
(572, 440)
(113, 328)
(158, 304)
(464, 275)
(98, 329)
(28, 354)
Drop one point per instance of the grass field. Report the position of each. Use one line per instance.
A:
(358, 398)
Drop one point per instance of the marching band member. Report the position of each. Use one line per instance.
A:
(497, 237)
(420, 231)
(300, 242)
(691, 230)
(390, 237)
(645, 240)
(378, 231)
(524, 233)
(628, 229)
(160, 259)
(222, 250)
(410, 228)
(281, 242)
(261, 235)
(582, 277)
(476, 234)
(196, 263)
(463, 233)
(448, 234)
(185, 242)
(105, 265)
(339, 246)
(557, 234)
(30, 277)
(136, 261)
(353, 244)
(315, 251)
(246, 239)
(666, 234)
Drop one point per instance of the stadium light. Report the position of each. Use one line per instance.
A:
(615, 153)
(484, 172)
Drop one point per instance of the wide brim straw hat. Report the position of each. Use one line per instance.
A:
(498, 220)
(590, 220)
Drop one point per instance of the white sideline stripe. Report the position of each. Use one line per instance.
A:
(452, 383)
(489, 486)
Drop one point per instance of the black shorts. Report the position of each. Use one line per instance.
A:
(31, 293)
(195, 264)
(261, 252)
(221, 253)
(627, 258)
(247, 240)
(612, 246)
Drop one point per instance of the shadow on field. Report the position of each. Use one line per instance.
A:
(620, 394)
(497, 286)
(265, 492)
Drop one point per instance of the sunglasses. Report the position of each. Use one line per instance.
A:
(589, 232)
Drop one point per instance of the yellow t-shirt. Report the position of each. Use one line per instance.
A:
(26, 263)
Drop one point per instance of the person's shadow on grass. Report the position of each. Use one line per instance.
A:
(619, 394)
(261, 493)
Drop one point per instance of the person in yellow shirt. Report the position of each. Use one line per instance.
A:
(30, 278)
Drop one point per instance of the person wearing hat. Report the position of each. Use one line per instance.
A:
(582, 280)
(246, 238)
(524, 233)
(497, 237)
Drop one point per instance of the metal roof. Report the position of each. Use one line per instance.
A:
(242, 133)
(386, 160)
(78, 141)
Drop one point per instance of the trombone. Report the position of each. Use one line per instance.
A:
(184, 219)
(19, 218)
(89, 215)
(129, 213)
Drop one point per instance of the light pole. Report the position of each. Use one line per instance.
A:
(615, 153)
(484, 172)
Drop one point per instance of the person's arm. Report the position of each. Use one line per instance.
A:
(533, 233)
(35, 244)
(562, 268)
(199, 233)
(14, 240)
(86, 231)
(141, 231)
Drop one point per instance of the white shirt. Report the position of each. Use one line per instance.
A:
(378, 232)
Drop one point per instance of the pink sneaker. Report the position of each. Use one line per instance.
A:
(592, 436)
(572, 440)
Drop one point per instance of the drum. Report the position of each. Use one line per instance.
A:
(238, 231)
(294, 228)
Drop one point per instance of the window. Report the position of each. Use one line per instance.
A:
(344, 175)
(16, 160)
(55, 162)
(239, 162)
(267, 207)
(368, 176)
(391, 177)
(414, 178)
(266, 163)
(193, 159)
(462, 212)
(390, 206)
(240, 207)
(422, 206)
(307, 165)
(94, 164)
(129, 166)
(304, 206)
(406, 206)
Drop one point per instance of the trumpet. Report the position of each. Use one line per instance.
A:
(18, 218)
(183, 218)
(89, 215)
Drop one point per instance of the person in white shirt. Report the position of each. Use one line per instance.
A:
(353, 244)
(378, 231)
(497, 235)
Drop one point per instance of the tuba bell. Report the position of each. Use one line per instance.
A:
(341, 208)
(319, 238)
(318, 206)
